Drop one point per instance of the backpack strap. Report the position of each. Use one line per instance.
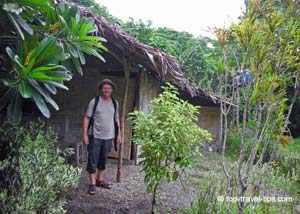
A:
(115, 106)
(95, 106)
(91, 122)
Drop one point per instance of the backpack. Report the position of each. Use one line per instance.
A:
(91, 121)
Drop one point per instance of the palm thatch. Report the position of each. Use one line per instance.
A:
(161, 65)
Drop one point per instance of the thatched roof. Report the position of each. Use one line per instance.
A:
(161, 65)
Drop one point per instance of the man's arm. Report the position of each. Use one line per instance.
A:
(85, 125)
(86, 120)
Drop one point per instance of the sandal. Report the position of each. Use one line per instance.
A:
(92, 189)
(103, 184)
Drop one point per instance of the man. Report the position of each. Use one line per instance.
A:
(105, 125)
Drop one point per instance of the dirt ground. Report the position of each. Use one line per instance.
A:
(127, 197)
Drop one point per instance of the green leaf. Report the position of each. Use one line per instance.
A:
(45, 5)
(62, 75)
(56, 84)
(49, 68)
(45, 94)
(39, 101)
(72, 50)
(24, 25)
(16, 25)
(85, 29)
(55, 59)
(42, 47)
(25, 46)
(10, 82)
(42, 76)
(93, 38)
(10, 53)
(25, 89)
(81, 56)
(51, 88)
(77, 65)
(92, 51)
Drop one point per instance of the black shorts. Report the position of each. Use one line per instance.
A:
(98, 150)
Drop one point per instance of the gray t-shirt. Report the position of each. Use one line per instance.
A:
(104, 127)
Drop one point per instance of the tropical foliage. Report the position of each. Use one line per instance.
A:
(268, 36)
(47, 46)
(34, 174)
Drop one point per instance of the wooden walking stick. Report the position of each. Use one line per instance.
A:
(123, 114)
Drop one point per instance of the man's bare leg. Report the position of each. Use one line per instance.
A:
(92, 177)
(100, 175)
(100, 182)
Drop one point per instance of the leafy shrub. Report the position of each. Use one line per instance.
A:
(35, 173)
(169, 137)
(287, 161)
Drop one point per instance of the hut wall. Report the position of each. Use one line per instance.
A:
(209, 119)
(148, 90)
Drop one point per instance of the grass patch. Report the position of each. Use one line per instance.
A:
(294, 147)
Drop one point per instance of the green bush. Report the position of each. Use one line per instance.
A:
(35, 172)
(287, 161)
(169, 136)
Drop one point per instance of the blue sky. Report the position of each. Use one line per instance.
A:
(194, 16)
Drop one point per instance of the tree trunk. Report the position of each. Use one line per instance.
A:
(154, 199)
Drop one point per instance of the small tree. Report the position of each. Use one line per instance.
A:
(169, 137)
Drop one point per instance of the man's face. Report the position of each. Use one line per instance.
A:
(106, 90)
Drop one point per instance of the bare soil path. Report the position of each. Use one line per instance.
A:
(127, 197)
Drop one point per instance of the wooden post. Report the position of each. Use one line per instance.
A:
(123, 115)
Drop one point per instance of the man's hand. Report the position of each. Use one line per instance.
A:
(85, 139)
(119, 139)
